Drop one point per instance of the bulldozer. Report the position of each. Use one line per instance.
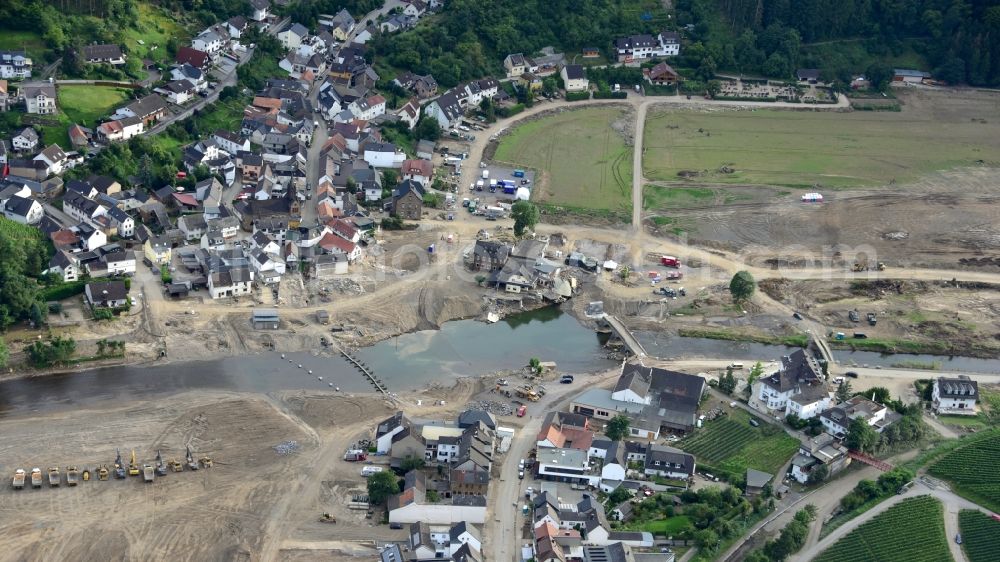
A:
(102, 472)
(206, 462)
(527, 392)
(327, 518)
(175, 465)
(133, 467)
(863, 266)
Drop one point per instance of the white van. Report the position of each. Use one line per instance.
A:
(369, 470)
(736, 366)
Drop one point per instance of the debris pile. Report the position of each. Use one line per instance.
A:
(495, 408)
(287, 448)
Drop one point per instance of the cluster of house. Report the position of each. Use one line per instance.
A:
(569, 451)
(458, 542)
(520, 268)
(462, 451)
(529, 72)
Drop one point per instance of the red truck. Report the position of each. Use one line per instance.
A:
(670, 261)
(521, 410)
(674, 275)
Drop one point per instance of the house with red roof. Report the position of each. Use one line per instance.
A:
(194, 57)
(417, 170)
(332, 243)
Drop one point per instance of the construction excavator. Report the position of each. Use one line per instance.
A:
(103, 472)
(133, 467)
(191, 464)
(119, 465)
(161, 467)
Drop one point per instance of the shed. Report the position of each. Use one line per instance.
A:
(323, 317)
(265, 319)
(756, 480)
(177, 290)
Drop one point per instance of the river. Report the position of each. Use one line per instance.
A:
(405, 363)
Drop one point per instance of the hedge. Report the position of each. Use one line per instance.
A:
(509, 111)
(63, 290)
(577, 96)
(608, 95)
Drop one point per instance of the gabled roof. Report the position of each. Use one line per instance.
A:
(102, 52)
(575, 72)
(192, 56)
(961, 388)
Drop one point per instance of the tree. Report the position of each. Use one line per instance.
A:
(525, 215)
(861, 436)
(742, 286)
(706, 539)
(56, 351)
(390, 177)
(727, 382)
(617, 428)
(713, 87)
(879, 74)
(819, 474)
(618, 496)
(381, 486)
(427, 129)
(843, 391)
(4, 353)
(432, 200)
(412, 463)
(624, 273)
(536, 365)
(480, 279)
(878, 394)
(755, 373)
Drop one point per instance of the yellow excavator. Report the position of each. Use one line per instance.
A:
(133, 468)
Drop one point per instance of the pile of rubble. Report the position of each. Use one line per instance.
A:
(343, 286)
(495, 408)
(287, 448)
(714, 413)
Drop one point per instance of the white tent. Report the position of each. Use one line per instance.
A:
(812, 198)
(523, 194)
(611, 265)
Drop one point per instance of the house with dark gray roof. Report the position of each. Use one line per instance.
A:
(111, 54)
(955, 395)
(798, 387)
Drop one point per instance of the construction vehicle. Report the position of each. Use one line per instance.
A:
(18, 482)
(54, 477)
(161, 467)
(133, 467)
(86, 475)
(147, 472)
(190, 460)
(527, 392)
(670, 261)
(119, 465)
(103, 473)
(175, 465)
(854, 316)
(206, 462)
(72, 476)
(327, 518)
(36, 478)
(863, 266)
(872, 319)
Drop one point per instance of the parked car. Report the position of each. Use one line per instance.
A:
(520, 475)
(754, 422)
(958, 538)
(852, 374)
(797, 316)
(395, 525)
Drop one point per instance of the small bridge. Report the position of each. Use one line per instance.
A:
(822, 347)
(622, 332)
(378, 384)
(870, 460)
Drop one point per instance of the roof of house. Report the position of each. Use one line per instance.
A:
(662, 70)
(260, 4)
(19, 206)
(757, 478)
(192, 56)
(469, 418)
(406, 186)
(297, 29)
(108, 290)
(796, 370)
(671, 456)
(102, 52)
(911, 73)
(962, 388)
(807, 73)
(28, 134)
(575, 71)
(38, 89)
(148, 105)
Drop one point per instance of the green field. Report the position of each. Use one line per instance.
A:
(980, 536)
(912, 531)
(20, 39)
(804, 148)
(155, 26)
(582, 161)
(87, 105)
(666, 527)
(730, 443)
(972, 471)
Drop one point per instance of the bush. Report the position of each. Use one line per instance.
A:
(577, 96)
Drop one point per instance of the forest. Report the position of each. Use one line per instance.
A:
(959, 39)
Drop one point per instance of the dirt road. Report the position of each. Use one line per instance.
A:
(638, 181)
